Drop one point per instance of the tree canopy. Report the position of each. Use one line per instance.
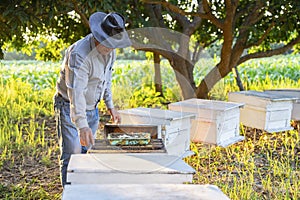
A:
(246, 29)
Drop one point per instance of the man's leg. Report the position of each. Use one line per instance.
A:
(67, 134)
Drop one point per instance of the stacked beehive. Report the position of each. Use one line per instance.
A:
(216, 122)
(263, 110)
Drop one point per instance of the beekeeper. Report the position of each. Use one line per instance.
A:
(85, 79)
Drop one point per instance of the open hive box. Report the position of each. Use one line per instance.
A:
(129, 139)
(173, 127)
(129, 135)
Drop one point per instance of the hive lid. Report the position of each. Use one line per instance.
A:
(204, 104)
(285, 92)
(266, 96)
(157, 113)
(128, 163)
(143, 191)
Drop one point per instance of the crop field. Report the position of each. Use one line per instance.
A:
(263, 166)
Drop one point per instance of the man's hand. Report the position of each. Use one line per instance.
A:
(116, 118)
(86, 137)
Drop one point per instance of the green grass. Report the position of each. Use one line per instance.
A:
(25, 148)
(263, 166)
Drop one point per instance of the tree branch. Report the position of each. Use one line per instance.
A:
(262, 38)
(176, 12)
(270, 53)
(254, 16)
(165, 53)
(194, 25)
(84, 19)
(211, 17)
(207, 15)
(168, 5)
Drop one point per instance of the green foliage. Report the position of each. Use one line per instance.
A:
(132, 84)
(24, 22)
(145, 96)
(50, 50)
(262, 74)
(41, 75)
(130, 54)
(44, 48)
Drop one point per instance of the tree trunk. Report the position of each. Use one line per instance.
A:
(1, 52)
(184, 75)
(238, 78)
(208, 83)
(157, 74)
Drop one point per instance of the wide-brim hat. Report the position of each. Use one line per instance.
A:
(109, 29)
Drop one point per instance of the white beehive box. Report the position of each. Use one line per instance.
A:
(142, 191)
(217, 122)
(265, 111)
(290, 93)
(134, 168)
(173, 127)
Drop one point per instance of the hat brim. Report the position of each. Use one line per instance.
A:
(120, 40)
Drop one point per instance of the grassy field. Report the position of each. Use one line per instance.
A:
(263, 166)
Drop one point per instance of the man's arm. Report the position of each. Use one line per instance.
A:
(108, 95)
(76, 81)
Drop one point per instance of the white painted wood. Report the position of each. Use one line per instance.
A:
(144, 192)
(132, 168)
(290, 93)
(266, 111)
(217, 122)
(173, 127)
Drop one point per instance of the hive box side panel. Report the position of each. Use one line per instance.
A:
(228, 121)
(277, 126)
(204, 131)
(215, 132)
(177, 143)
(296, 111)
(178, 124)
(127, 178)
(280, 105)
(228, 129)
(278, 115)
(251, 117)
(232, 113)
(291, 93)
